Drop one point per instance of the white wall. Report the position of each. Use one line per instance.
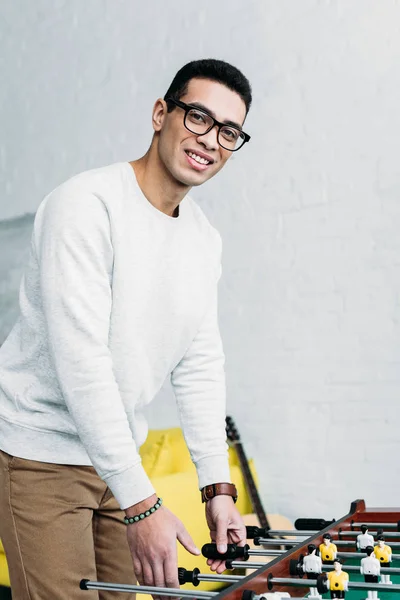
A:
(309, 211)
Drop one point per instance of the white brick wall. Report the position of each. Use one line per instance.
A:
(309, 211)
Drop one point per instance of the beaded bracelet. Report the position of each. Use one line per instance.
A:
(143, 515)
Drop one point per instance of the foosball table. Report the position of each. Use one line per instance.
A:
(355, 557)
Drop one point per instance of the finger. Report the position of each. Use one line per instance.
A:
(186, 541)
(171, 571)
(147, 574)
(241, 535)
(137, 568)
(222, 535)
(213, 533)
(158, 576)
(221, 567)
(216, 564)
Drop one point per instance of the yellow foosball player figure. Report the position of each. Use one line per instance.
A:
(384, 554)
(338, 580)
(327, 549)
(371, 569)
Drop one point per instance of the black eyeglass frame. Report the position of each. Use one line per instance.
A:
(188, 107)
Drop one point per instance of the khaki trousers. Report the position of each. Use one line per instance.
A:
(60, 524)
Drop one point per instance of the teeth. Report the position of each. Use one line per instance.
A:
(198, 159)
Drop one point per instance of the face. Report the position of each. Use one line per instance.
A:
(337, 566)
(175, 141)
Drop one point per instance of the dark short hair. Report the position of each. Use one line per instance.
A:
(364, 528)
(380, 538)
(311, 548)
(369, 550)
(327, 536)
(338, 560)
(215, 70)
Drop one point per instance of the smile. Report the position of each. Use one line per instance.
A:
(197, 162)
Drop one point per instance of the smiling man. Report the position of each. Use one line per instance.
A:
(119, 293)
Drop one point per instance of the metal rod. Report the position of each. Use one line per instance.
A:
(339, 554)
(384, 570)
(278, 541)
(239, 564)
(361, 555)
(223, 578)
(266, 552)
(342, 543)
(293, 582)
(390, 525)
(147, 589)
(309, 533)
(389, 587)
(346, 544)
(348, 533)
(292, 532)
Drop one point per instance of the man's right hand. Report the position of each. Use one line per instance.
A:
(152, 542)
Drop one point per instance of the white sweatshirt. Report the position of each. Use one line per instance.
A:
(116, 297)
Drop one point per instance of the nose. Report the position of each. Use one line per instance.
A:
(210, 139)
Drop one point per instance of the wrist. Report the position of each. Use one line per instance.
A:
(141, 506)
(146, 511)
(219, 489)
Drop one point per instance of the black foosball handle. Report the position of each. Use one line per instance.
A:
(313, 524)
(322, 583)
(252, 531)
(186, 576)
(233, 551)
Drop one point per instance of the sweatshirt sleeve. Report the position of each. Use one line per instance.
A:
(200, 390)
(75, 255)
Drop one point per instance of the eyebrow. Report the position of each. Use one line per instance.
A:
(212, 114)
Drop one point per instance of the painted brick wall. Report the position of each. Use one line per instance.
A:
(309, 211)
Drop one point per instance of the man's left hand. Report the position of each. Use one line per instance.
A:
(226, 527)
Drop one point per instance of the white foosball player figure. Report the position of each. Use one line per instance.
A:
(364, 539)
(371, 569)
(384, 554)
(312, 567)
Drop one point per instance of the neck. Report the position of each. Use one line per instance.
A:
(157, 184)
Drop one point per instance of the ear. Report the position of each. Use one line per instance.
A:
(159, 112)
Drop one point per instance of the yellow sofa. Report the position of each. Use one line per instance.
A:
(4, 578)
(167, 461)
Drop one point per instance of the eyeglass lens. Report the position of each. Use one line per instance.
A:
(200, 122)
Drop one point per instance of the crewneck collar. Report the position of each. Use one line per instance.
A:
(159, 214)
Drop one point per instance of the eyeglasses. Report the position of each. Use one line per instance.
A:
(198, 121)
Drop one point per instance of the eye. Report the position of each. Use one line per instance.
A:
(198, 116)
(230, 134)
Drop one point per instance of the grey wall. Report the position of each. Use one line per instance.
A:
(309, 211)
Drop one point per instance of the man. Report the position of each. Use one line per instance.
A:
(120, 292)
